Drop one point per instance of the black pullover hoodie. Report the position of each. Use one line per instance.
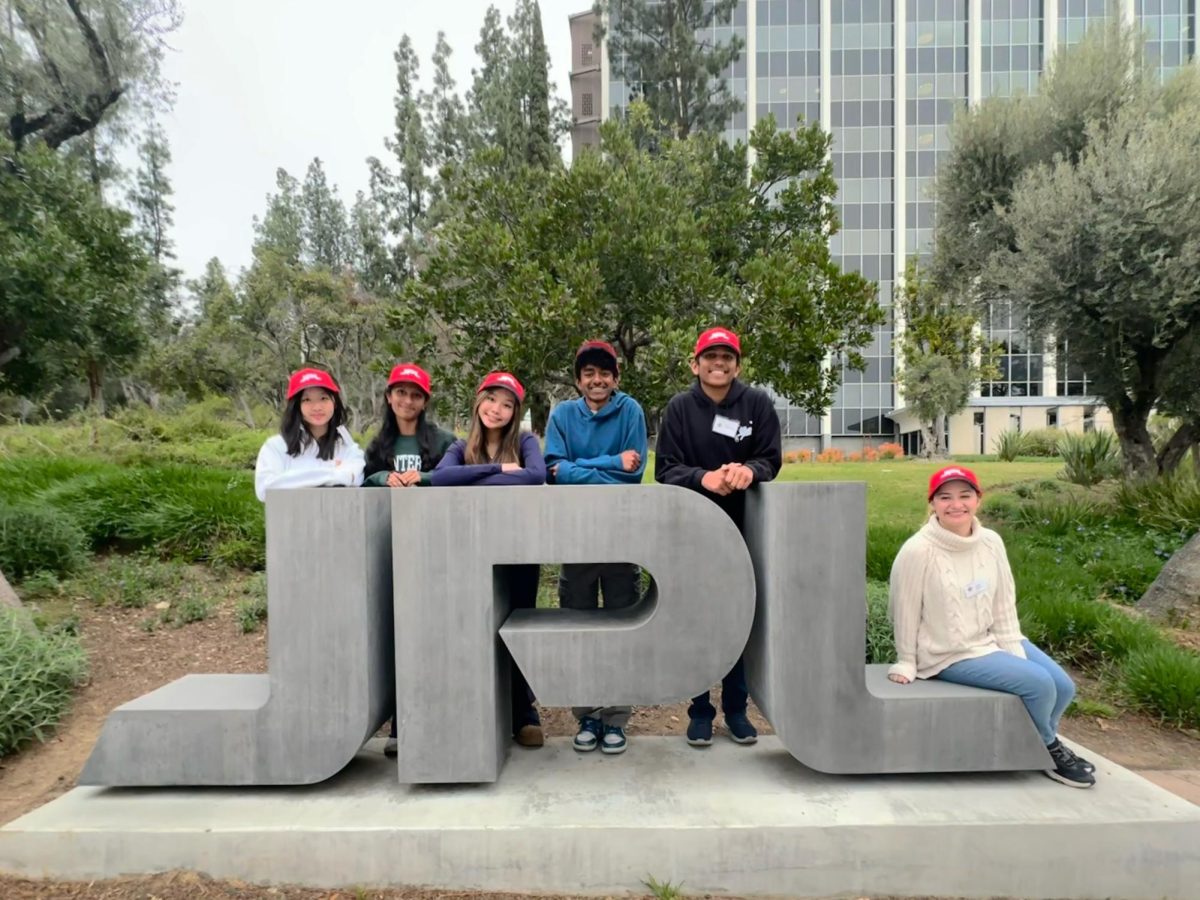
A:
(697, 436)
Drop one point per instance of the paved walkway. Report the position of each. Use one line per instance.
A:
(1184, 783)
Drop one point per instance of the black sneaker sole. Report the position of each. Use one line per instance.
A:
(613, 751)
(700, 742)
(1063, 779)
(589, 749)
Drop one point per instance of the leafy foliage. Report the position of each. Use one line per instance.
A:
(35, 538)
(1077, 206)
(671, 60)
(644, 249)
(1089, 458)
(940, 348)
(38, 671)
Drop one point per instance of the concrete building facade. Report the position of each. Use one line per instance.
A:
(886, 78)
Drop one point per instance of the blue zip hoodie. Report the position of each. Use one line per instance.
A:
(587, 446)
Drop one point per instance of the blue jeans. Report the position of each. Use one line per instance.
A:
(1044, 688)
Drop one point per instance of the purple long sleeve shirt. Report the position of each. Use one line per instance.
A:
(453, 472)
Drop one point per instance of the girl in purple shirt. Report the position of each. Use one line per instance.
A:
(497, 452)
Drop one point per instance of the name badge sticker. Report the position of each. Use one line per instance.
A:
(975, 588)
(725, 425)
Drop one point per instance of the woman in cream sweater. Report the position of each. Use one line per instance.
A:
(954, 611)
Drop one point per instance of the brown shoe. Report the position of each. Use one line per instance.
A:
(530, 736)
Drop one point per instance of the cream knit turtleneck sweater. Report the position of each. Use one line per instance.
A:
(952, 598)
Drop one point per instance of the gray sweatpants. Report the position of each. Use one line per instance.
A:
(579, 587)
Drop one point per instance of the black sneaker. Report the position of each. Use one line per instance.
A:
(700, 732)
(1068, 768)
(740, 728)
(1086, 764)
(589, 735)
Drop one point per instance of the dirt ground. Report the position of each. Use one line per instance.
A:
(128, 661)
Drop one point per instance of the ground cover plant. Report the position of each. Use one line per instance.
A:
(38, 673)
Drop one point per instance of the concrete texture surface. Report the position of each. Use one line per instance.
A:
(452, 681)
(804, 662)
(329, 681)
(727, 819)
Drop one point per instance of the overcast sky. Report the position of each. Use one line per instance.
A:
(264, 84)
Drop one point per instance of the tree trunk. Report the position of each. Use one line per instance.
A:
(1129, 421)
(10, 600)
(8, 597)
(1177, 447)
(95, 377)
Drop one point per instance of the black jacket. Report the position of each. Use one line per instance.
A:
(687, 445)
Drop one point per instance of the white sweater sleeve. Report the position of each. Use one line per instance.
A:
(274, 470)
(905, 597)
(270, 467)
(1006, 627)
(351, 456)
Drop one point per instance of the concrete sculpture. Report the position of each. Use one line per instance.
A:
(804, 662)
(328, 689)
(451, 680)
(340, 561)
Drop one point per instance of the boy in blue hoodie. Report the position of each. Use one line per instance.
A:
(600, 438)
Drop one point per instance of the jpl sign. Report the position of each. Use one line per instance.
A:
(372, 592)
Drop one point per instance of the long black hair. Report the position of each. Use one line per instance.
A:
(379, 451)
(295, 432)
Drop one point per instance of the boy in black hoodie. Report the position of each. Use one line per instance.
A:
(719, 438)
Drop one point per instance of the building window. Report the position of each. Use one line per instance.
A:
(1052, 418)
(1072, 380)
(587, 54)
(1019, 360)
(588, 106)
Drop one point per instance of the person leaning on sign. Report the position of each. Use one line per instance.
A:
(953, 604)
(313, 447)
(599, 438)
(497, 452)
(406, 448)
(719, 438)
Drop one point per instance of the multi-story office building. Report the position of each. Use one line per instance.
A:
(886, 77)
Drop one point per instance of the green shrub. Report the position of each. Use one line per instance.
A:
(1089, 458)
(23, 478)
(1009, 445)
(35, 538)
(998, 508)
(1061, 515)
(38, 671)
(183, 511)
(1042, 442)
(881, 643)
(251, 613)
(190, 609)
(883, 543)
(1165, 679)
(1170, 503)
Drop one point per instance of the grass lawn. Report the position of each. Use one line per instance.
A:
(896, 488)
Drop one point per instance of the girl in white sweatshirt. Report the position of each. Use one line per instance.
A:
(313, 447)
(954, 611)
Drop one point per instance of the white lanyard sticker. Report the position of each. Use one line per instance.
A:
(726, 426)
(975, 588)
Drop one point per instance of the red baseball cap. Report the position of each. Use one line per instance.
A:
(410, 373)
(306, 378)
(598, 346)
(717, 337)
(502, 380)
(952, 473)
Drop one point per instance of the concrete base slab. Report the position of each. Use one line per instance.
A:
(727, 819)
